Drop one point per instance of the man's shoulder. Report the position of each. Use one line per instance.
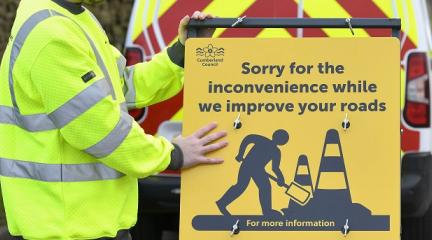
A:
(38, 31)
(56, 30)
(59, 28)
(43, 23)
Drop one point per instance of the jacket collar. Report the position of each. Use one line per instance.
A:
(74, 8)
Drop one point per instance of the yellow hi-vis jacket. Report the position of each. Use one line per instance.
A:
(70, 154)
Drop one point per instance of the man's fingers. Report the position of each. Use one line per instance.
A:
(215, 146)
(196, 14)
(204, 130)
(211, 160)
(202, 16)
(213, 137)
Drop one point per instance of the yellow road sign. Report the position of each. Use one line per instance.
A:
(313, 131)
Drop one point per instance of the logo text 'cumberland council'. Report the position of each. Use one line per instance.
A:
(210, 56)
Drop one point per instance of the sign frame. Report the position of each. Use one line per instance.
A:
(394, 24)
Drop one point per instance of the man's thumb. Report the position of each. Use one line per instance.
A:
(184, 21)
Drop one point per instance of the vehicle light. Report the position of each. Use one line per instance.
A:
(417, 98)
(133, 56)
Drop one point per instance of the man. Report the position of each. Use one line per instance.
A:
(70, 154)
(252, 167)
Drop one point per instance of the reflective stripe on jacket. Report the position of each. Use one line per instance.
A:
(70, 154)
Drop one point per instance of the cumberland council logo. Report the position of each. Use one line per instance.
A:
(210, 56)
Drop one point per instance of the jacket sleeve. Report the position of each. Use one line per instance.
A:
(67, 77)
(154, 81)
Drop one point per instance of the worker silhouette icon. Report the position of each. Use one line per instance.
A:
(328, 199)
(252, 167)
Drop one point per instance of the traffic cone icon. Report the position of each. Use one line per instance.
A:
(303, 176)
(332, 183)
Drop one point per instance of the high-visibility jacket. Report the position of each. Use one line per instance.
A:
(70, 154)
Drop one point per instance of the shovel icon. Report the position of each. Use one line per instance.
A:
(295, 191)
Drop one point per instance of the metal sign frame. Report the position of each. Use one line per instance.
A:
(385, 23)
(332, 137)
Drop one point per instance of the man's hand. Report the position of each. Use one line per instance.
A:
(197, 145)
(197, 15)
